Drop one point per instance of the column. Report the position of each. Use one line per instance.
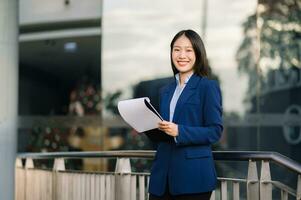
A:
(8, 95)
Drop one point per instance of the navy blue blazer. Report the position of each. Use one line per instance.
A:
(187, 163)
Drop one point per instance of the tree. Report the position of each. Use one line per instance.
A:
(278, 25)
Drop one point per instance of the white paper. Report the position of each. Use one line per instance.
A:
(138, 115)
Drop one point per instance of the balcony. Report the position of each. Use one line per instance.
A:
(122, 184)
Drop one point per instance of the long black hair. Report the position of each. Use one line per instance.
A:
(200, 66)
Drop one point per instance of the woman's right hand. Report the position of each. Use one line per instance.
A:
(169, 128)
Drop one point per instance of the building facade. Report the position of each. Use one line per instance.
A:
(66, 63)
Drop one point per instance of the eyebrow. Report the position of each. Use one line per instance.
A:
(184, 46)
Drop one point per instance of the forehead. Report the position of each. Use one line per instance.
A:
(182, 41)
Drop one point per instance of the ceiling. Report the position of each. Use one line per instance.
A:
(68, 63)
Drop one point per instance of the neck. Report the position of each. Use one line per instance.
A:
(183, 76)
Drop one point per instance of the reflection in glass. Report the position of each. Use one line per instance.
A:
(136, 38)
(136, 35)
(274, 76)
(253, 50)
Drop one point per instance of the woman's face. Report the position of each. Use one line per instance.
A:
(183, 55)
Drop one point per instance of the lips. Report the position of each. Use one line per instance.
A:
(182, 63)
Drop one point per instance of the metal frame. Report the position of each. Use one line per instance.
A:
(218, 155)
(259, 186)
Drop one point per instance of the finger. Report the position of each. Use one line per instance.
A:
(162, 128)
(161, 124)
(167, 130)
(164, 122)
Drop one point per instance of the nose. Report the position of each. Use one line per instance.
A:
(182, 54)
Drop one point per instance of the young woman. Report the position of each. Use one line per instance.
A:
(191, 106)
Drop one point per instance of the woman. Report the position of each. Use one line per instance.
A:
(191, 106)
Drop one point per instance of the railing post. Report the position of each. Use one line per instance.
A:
(59, 164)
(141, 181)
(212, 195)
(19, 180)
(18, 163)
(235, 190)
(123, 179)
(133, 187)
(28, 179)
(252, 182)
(224, 190)
(298, 195)
(57, 190)
(284, 195)
(29, 163)
(123, 165)
(265, 181)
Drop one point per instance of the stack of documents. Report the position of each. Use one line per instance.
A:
(139, 114)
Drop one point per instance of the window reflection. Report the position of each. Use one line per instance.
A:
(253, 50)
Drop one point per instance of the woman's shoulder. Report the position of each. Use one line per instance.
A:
(168, 86)
(207, 83)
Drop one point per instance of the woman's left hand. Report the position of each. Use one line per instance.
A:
(169, 128)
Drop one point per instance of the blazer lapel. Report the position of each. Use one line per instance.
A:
(166, 98)
(186, 93)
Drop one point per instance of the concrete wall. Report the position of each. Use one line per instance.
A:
(8, 95)
(45, 11)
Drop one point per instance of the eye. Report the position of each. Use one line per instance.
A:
(189, 50)
(176, 49)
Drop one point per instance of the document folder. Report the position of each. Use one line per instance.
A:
(143, 117)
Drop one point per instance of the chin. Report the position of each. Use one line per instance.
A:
(184, 71)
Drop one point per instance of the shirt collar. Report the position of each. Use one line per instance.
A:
(186, 80)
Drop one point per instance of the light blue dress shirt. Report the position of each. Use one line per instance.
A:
(176, 95)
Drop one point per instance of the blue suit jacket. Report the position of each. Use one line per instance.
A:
(188, 164)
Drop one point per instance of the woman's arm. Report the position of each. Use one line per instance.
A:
(212, 115)
(189, 135)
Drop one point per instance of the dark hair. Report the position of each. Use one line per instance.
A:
(200, 66)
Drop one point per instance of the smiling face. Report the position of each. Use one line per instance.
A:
(183, 55)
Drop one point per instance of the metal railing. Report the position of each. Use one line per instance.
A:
(61, 184)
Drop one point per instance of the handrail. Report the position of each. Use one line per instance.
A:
(283, 187)
(218, 155)
(259, 155)
(91, 154)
